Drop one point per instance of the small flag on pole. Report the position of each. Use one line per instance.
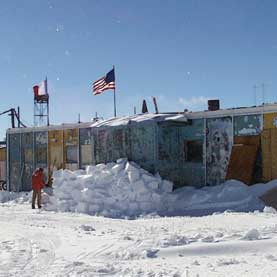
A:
(104, 83)
(42, 89)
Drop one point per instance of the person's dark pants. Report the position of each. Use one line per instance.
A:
(36, 195)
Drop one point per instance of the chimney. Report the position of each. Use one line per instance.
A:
(144, 107)
(213, 105)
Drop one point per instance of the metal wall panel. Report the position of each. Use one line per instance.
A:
(270, 121)
(143, 145)
(247, 125)
(71, 151)
(86, 145)
(171, 147)
(41, 151)
(14, 166)
(55, 150)
(27, 160)
(219, 142)
(193, 172)
(100, 144)
(14, 147)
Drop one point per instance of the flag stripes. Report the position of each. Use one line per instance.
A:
(104, 83)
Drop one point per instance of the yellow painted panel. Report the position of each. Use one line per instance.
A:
(70, 137)
(55, 151)
(270, 121)
(3, 154)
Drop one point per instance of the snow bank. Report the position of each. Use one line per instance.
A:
(124, 190)
(120, 189)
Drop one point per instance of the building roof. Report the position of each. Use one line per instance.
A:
(149, 117)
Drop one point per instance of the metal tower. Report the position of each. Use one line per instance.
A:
(41, 107)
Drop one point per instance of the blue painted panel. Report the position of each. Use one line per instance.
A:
(15, 176)
(143, 145)
(168, 143)
(14, 167)
(14, 147)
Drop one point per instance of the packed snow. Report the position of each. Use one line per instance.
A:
(125, 190)
(84, 227)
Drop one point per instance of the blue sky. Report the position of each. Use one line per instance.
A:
(181, 51)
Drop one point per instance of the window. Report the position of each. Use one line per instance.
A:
(193, 150)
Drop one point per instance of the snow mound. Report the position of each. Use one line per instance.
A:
(252, 234)
(120, 189)
(125, 190)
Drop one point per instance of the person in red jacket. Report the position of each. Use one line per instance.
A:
(37, 185)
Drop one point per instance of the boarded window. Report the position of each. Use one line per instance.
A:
(193, 150)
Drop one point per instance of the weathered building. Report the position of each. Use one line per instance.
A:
(192, 148)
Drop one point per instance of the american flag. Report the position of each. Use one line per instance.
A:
(104, 83)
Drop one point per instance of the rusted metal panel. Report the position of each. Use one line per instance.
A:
(219, 140)
(55, 150)
(71, 148)
(246, 125)
(86, 146)
(270, 121)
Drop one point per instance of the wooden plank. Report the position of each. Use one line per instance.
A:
(242, 163)
(273, 144)
(266, 154)
(248, 140)
(3, 154)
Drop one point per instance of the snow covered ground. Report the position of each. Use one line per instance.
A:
(34, 243)
(119, 220)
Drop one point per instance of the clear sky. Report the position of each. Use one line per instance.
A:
(181, 51)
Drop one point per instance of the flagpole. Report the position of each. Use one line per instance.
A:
(114, 99)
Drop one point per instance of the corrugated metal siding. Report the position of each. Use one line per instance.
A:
(218, 148)
(247, 125)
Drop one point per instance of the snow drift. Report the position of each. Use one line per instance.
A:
(124, 190)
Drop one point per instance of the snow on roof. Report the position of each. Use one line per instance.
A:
(149, 117)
